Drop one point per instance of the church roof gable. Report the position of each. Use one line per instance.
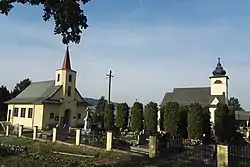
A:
(220, 98)
(167, 98)
(185, 96)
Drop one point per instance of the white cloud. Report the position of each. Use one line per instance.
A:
(147, 61)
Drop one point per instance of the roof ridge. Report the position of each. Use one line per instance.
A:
(41, 81)
(192, 87)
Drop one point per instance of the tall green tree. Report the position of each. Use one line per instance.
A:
(206, 124)
(234, 104)
(195, 121)
(109, 119)
(171, 118)
(122, 114)
(4, 96)
(183, 111)
(136, 117)
(151, 110)
(225, 129)
(100, 111)
(161, 121)
(68, 16)
(20, 87)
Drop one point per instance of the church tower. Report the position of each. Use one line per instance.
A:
(219, 81)
(66, 78)
(218, 88)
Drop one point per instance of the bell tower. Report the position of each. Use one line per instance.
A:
(218, 89)
(219, 82)
(66, 78)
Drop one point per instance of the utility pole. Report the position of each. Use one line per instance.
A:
(110, 77)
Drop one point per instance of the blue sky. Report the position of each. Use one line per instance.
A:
(151, 45)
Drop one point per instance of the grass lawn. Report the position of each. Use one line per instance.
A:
(41, 154)
(175, 163)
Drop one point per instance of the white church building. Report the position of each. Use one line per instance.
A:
(207, 96)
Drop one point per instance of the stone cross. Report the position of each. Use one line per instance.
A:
(86, 121)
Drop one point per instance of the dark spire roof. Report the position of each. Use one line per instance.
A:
(66, 62)
(219, 69)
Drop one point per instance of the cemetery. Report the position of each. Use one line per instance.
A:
(182, 130)
(167, 148)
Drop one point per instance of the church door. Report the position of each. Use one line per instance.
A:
(67, 117)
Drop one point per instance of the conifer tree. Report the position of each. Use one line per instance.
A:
(151, 110)
(122, 114)
(171, 118)
(109, 117)
(161, 121)
(195, 123)
(225, 129)
(100, 111)
(137, 117)
(183, 111)
(206, 124)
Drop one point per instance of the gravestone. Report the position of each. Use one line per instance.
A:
(16, 129)
(63, 132)
(142, 138)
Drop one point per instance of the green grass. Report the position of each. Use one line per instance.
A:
(40, 154)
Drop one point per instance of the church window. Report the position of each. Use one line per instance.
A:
(79, 116)
(70, 78)
(51, 115)
(30, 112)
(58, 77)
(15, 112)
(218, 82)
(23, 110)
(69, 91)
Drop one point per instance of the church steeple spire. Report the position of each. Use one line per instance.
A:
(66, 62)
(219, 71)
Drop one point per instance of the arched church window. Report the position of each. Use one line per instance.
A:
(218, 82)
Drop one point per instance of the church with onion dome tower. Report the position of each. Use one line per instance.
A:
(218, 88)
(210, 96)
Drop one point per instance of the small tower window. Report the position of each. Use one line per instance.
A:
(218, 82)
(69, 91)
(70, 78)
(58, 77)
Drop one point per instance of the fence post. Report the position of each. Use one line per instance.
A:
(35, 132)
(54, 134)
(152, 146)
(20, 131)
(78, 136)
(109, 141)
(222, 155)
(7, 131)
(248, 134)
